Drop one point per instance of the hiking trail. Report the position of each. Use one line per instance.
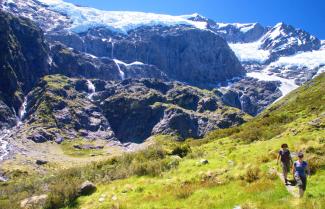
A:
(293, 190)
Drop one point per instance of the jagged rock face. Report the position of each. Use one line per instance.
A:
(72, 63)
(251, 96)
(137, 109)
(128, 111)
(7, 116)
(232, 33)
(23, 60)
(182, 53)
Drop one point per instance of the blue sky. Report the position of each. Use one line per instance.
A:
(306, 14)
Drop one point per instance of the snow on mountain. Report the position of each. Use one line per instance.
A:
(322, 44)
(281, 40)
(311, 60)
(84, 18)
(285, 40)
(244, 28)
(250, 52)
(292, 71)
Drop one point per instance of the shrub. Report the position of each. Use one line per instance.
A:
(184, 191)
(181, 150)
(252, 174)
(315, 163)
(264, 158)
(63, 193)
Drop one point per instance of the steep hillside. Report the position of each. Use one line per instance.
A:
(22, 51)
(238, 169)
(241, 171)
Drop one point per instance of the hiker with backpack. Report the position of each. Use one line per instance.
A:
(300, 170)
(286, 161)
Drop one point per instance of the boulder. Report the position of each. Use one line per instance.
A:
(204, 161)
(87, 188)
(41, 162)
(35, 202)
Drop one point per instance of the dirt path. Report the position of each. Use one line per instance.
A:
(293, 190)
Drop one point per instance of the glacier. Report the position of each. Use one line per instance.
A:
(84, 18)
(250, 52)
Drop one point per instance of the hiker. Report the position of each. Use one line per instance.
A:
(300, 170)
(286, 161)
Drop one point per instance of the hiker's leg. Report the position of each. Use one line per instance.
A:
(285, 171)
(301, 192)
(304, 183)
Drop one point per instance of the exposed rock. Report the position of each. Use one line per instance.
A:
(35, 202)
(61, 106)
(162, 108)
(204, 161)
(87, 188)
(64, 112)
(41, 162)
(250, 95)
(23, 60)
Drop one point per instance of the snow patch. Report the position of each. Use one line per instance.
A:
(84, 18)
(243, 27)
(312, 59)
(250, 52)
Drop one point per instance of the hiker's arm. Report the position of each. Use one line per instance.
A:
(277, 159)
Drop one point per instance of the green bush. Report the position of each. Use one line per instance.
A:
(252, 174)
(181, 150)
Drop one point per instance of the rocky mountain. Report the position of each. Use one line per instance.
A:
(108, 47)
(64, 108)
(178, 47)
(182, 49)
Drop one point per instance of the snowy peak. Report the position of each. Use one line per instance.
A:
(196, 17)
(289, 40)
(238, 32)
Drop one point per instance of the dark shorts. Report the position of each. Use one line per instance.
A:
(301, 182)
(285, 167)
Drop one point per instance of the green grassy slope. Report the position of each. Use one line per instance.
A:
(241, 169)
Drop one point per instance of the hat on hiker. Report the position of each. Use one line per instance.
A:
(300, 155)
(284, 146)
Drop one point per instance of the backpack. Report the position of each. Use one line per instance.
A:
(285, 155)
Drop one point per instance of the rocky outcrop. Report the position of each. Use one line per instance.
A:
(163, 108)
(58, 109)
(62, 108)
(250, 95)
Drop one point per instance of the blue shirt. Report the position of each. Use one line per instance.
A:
(300, 168)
